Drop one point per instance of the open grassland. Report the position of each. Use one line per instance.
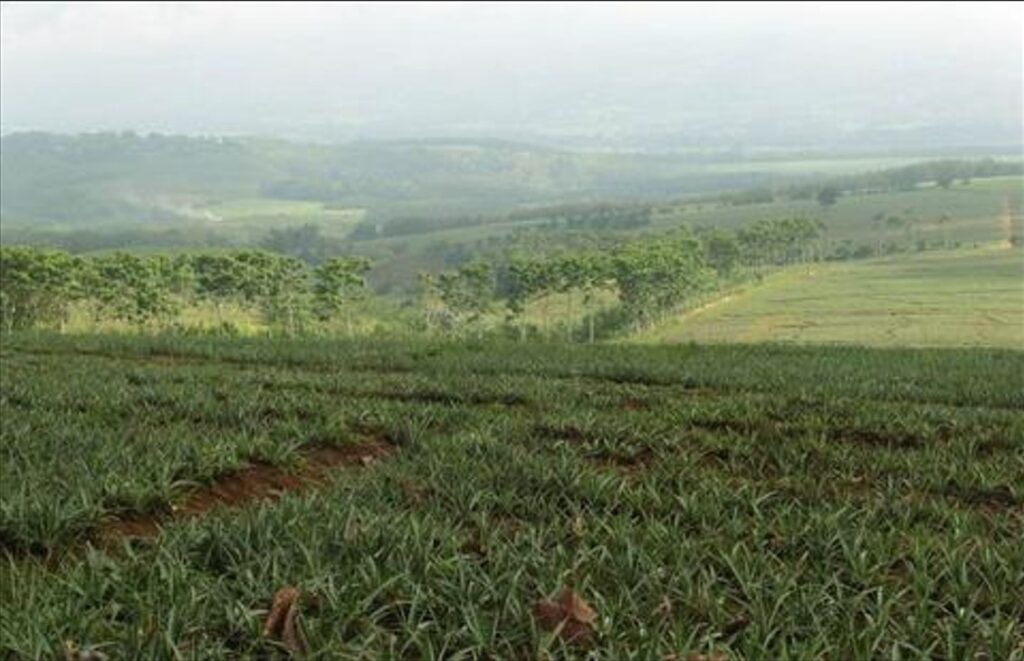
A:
(943, 298)
(758, 501)
(255, 216)
(975, 212)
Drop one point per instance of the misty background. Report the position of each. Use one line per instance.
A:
(616, 75)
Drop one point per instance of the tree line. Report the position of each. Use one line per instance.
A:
(38, 287)
(942, 173)
(647, 277)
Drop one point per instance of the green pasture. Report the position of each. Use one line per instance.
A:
(943, 298)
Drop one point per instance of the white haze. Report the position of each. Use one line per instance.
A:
(591, 74)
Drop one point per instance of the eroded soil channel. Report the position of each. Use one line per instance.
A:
(255, 482)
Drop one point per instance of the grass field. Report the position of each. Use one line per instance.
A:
(976, 211)
(755, 501)
(972, 297)
(255, 216)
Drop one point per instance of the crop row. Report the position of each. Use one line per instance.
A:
(863, 509)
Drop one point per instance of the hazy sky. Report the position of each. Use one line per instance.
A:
(346, 70)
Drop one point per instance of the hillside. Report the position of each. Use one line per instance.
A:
(944, 298)
(112, 179)
(426, 499)
(103, 178)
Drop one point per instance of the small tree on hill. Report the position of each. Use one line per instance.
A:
(37, 286)
(338, 284)
(467, 293)
(285, 300)
(219, 279)
(828, 196)
(129, 288)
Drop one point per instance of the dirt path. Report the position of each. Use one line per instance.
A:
(256, 482)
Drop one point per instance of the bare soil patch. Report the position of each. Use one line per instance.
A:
(992, 500)
(256, 482)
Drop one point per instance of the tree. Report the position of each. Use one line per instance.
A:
(434, 312)
(569, 276)
(128, 288)
(828, 196)
(219, 279)
(177, 274)
(655, 277)
(723, 252)
(338, 283)
(943, 223)
(878, 223)
(528, 279)
(306, 242)
(595, 272)
(37, 286)
(893, 223)
(467, 292)
(285, 298)
(257, 270)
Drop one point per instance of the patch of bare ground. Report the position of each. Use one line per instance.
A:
(449, 399)
(989, 500)
(627, 465)
(876, 438)
(256, 482)
(993, 446)
(567, 433)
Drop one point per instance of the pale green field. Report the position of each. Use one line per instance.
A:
(262, 213)
(259, 206)
(946, 298)
(977, 210)
(829, 166)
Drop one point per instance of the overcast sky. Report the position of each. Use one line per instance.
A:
(396, 70)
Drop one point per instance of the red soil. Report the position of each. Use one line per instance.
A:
(257, 481)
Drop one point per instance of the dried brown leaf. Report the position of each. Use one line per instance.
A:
(577, 609)
(664, 609)
(568, 615)
(291, 635)
(281, 621)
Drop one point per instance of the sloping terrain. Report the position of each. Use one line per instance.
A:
(748, 501)
(945, 298)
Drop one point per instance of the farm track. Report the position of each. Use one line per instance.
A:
(255, 482)
(258, 481)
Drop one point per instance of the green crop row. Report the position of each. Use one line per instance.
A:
(760, 501)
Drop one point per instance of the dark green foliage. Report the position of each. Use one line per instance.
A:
(908, 177)
(128, 288)
(306, 242)
(723, 251)
(219, 278)
(285, 298)
(653, 278)
(753, 196)
(776, 242)
(338, 283)
(828, 196)
(36, 287)
(466, 293)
